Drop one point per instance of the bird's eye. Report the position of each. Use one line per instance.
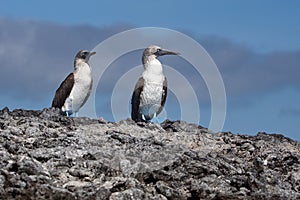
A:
(158, 50)
(84, 55)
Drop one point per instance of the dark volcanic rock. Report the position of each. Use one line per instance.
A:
(44, 155)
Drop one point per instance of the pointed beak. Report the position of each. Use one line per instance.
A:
(92, 53)
(166, 52)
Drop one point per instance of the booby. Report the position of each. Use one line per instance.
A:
(150, 92)
(76, 88)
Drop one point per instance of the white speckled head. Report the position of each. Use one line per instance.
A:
(153, 51)
(83, 56)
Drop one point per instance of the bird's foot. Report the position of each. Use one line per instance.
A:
(144, 118)
(155, 119)
(69, 113)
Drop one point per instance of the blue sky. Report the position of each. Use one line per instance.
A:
(261, 40)
(262, 25)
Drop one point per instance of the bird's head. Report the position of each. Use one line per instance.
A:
(153, 51)
(84, 56)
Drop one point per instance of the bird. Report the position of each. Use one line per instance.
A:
(74, 91)
(150, 92)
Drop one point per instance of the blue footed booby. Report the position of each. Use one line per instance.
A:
(150, 93)
(76, 88)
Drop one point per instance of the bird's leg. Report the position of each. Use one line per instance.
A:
(67, 113)
(155, 119)
(143, 117)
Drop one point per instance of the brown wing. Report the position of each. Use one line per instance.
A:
(164, 95)
(135, 101)
(63, 91)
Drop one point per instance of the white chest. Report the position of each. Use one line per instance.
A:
(153, 88)
(81, 88)
(151, 94)
(83, 76)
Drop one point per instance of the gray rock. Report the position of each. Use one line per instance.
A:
(44, 155)
(129, 194)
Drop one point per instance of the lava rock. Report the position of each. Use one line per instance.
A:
(45, 155)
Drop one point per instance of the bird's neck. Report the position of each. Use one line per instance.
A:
(79, 64)
(154, 67)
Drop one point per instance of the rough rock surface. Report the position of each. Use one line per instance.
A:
(44, 155)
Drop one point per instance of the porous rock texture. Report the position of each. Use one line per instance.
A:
(44, 155)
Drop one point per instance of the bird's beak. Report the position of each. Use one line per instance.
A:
(166, 52)
(92, 53)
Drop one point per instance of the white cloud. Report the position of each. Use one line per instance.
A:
(36, 56)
